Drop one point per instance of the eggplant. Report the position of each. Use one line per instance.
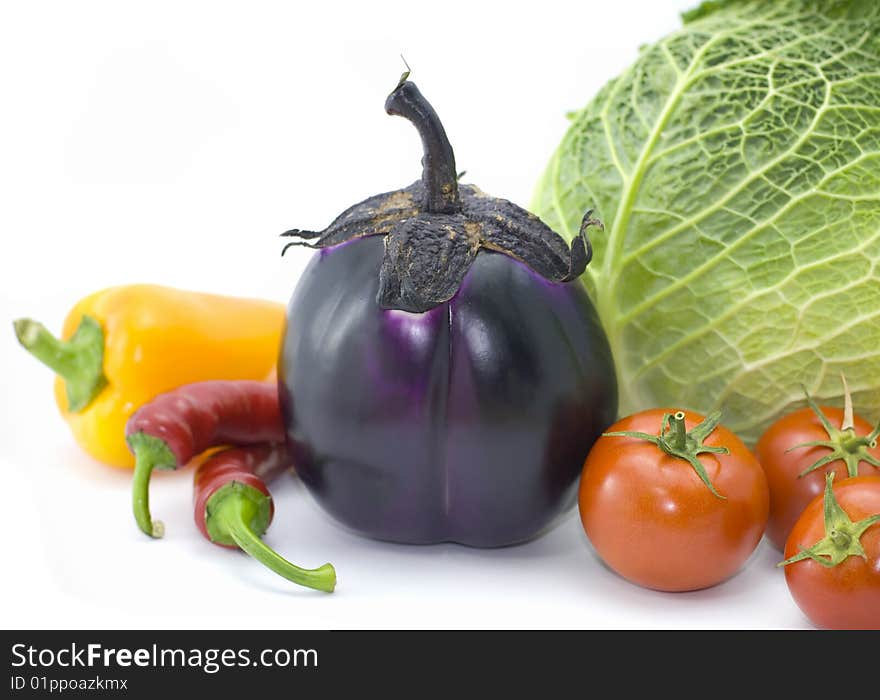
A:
(443, 373)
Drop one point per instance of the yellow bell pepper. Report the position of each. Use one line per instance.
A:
(124, 345)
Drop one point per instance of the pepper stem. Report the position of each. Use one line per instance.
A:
(79, 361)
(438, 162)
(149, 453)
(240, 513)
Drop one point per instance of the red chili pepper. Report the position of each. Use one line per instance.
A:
(174, 427)
(233, 508)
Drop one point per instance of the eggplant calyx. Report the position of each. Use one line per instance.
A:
(842, 536)
(435, 228)
(675, 440)
(844, 443)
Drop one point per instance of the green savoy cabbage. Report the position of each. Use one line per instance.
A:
(736, 165)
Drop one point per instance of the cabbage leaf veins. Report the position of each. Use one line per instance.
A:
(736, 166)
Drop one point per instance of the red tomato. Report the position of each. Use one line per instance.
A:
(789, 492)
(653, 520)
(845, 596)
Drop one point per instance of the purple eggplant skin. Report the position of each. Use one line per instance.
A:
(467, 423)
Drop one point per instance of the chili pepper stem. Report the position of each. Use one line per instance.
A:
(149, 453)
(233, 512)
(79, 361)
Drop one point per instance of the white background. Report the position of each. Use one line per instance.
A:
(170, 142)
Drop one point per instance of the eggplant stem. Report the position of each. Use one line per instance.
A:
(438, 162)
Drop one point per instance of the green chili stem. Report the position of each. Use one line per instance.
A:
(149, 453)
(234, 513)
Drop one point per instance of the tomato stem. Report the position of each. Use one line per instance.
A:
(842, 536)
(675, 440)
(79, 361)
(677, 431)
(844, 443)
(848, 422)
(841, 539)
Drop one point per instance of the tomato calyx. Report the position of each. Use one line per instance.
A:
(842, 536)
(844, 443)
(675, 440)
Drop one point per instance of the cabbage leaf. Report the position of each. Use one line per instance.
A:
(736, 165)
